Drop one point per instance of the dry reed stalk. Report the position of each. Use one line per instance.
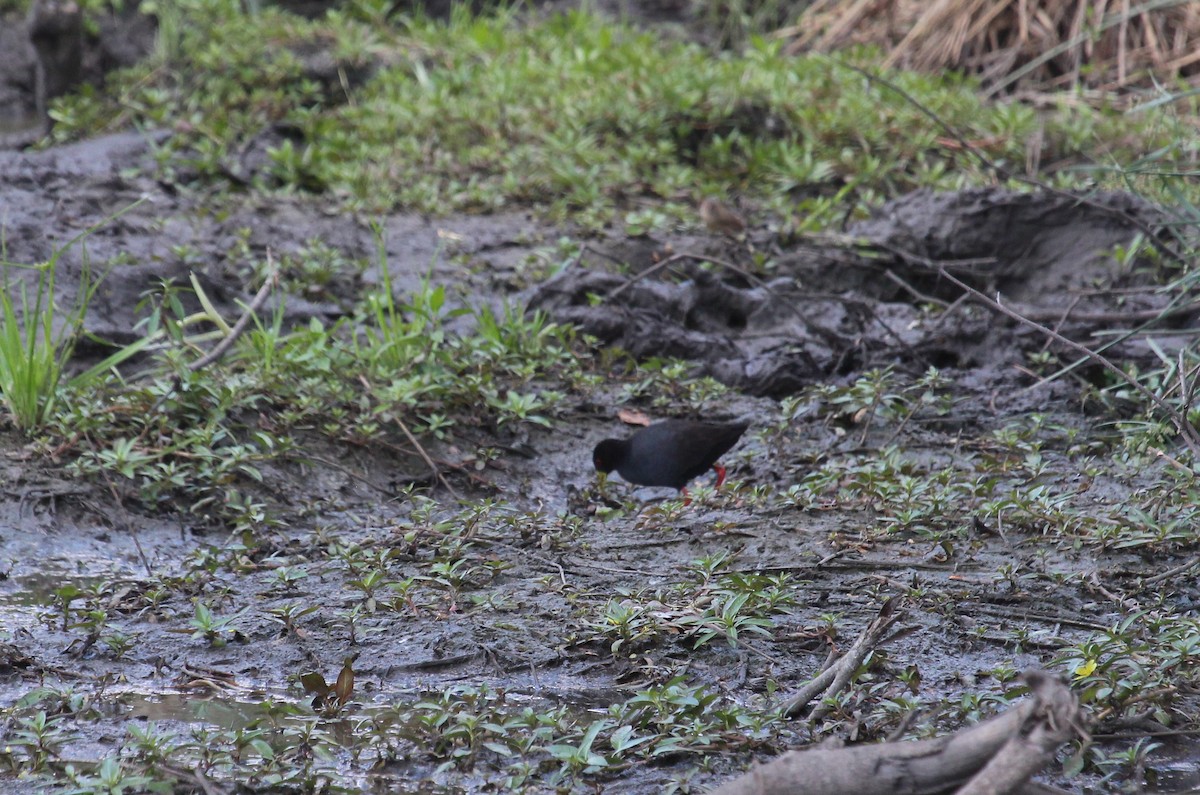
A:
(1018, 45)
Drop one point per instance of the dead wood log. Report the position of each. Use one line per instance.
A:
(996, 756)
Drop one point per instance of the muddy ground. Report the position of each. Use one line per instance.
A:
(980, 597)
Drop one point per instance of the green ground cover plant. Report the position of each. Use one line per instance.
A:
(582, 118)
(594, 124)
(179, 435)
(38, 336)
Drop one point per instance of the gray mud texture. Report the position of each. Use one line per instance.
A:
(548, 552)
(828, 311)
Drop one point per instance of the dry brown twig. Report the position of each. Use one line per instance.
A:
(243, 322)
(1039, 46)
(236, 331)
(126, 523)
(1186, 430)
(1173, 572)
(1033, 315)
(435, 470)
(223, 346)
(653, 269)
(837, 675)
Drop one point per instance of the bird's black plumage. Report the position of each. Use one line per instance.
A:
(669, 453)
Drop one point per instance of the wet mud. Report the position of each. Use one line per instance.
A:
(552, 550)
(832, 310)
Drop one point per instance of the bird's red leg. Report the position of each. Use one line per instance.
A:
(720, 470)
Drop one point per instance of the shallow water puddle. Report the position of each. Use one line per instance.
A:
(40, 588)
(1175, 770)
(224, 712)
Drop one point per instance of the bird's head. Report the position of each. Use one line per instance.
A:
(606, 455)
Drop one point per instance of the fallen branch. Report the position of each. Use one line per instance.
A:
(838, 673)
(1056, 718)
(996, 756)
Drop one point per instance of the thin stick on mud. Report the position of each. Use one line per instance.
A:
(837, 676)
(914, 292)
(653, 269)
(1061, 319)
(1187, 431)
(437, 472)
(127, 523)
(1175, 462)
(1172, 572)
(243, 322)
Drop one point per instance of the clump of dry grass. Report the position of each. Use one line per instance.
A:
(1019, 45)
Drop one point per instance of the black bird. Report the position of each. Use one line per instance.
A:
(669, 453)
